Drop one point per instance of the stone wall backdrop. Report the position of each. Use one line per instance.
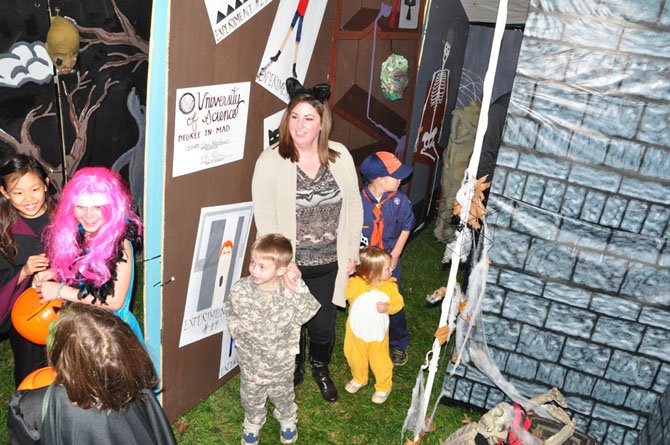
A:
(579, 293)
(657, 428)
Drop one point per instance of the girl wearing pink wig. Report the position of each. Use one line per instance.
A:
(89, 244)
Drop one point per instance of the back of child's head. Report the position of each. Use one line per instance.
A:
(273, 247)
(98, 358)
(372, 263)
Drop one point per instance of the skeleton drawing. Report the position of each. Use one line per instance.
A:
(434, 110)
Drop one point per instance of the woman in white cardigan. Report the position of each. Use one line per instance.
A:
(306, 188)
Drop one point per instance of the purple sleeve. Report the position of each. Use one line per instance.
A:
(9, 291)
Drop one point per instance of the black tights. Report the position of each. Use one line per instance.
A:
(321, 283)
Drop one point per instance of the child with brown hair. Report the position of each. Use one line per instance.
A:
(103, 392)
(372, 295)
(264, 318)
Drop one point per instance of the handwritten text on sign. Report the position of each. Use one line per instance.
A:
(210, 126)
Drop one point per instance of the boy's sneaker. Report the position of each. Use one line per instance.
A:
(399, 357)
(380, 396)
(289, 435)
(353, 387)
(249, 438)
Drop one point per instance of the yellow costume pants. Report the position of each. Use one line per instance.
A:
(362, 356)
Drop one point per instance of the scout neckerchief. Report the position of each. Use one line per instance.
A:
(378, 223)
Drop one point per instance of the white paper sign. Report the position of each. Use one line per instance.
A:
(226, 16)
(290, 44)
(409, 14)
(209, 126)
(218, 259)
(228, 354)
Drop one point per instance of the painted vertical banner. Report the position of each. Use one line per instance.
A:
(217, 263)
(290, 44)
(226, 16)
(209, 126)
(432, 116)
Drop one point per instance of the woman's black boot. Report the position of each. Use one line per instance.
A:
(319, 358)
(299, 373)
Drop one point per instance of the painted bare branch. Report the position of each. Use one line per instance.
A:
(128, 37)
(26, 145)
(137, 58)
(79, 120)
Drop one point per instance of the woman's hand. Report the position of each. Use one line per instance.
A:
(35, 263)
(351, 266)
(291, 277)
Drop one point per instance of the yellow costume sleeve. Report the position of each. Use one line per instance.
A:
(390, 288)
(355, 287)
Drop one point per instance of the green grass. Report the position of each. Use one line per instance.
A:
(354, 419)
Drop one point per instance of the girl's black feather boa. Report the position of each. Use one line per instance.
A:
(100, 293)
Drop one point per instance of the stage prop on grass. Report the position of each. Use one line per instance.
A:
(506, 423)
(39, 378)
(31, 318)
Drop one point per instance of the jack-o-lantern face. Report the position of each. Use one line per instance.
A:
(63, 44)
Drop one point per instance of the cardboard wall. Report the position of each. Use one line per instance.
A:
(190, 373)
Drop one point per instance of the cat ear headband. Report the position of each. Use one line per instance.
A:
(320, 91)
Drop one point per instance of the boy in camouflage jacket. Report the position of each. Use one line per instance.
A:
(264, 319)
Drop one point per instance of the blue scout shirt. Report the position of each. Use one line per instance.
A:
(398, 217)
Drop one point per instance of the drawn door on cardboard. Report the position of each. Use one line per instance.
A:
(217, 263)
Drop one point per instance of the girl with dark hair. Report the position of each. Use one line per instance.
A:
(26, 200)
(103, 390)
(90, 245)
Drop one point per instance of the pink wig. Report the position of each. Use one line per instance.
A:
(91, 259)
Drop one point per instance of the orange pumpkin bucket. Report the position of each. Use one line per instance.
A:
(39, 378)
(31, 318)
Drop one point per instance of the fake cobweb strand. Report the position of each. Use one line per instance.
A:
(416, 413)
(470, 335)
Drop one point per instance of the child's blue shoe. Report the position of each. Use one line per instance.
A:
(289, 434)
(249, 438)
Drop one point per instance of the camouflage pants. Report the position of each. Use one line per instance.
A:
(254, 393)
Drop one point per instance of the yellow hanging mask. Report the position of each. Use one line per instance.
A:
(62, 44)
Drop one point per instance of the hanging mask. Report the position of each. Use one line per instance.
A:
(394, 78)
(62, 44)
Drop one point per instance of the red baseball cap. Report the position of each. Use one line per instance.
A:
(383, 163)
